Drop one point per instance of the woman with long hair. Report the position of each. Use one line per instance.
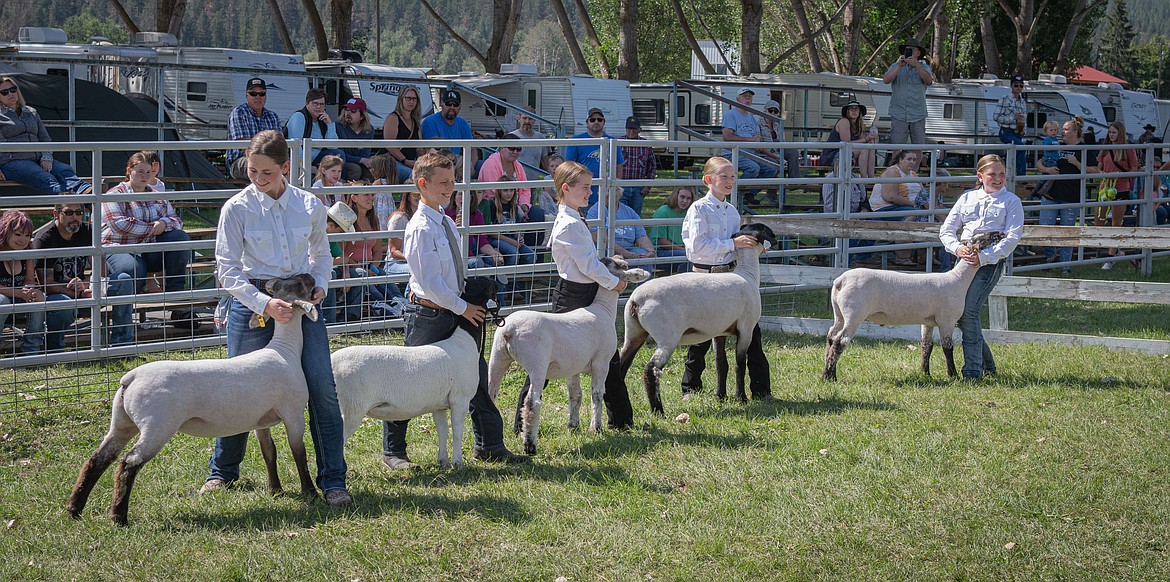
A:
(851, 128)
(667, 239)
(18, 282)
(1112, 159)
(403, 123)
(20, 123)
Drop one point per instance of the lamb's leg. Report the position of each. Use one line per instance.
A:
(651, 375)
(498, 364)
(927, 347)
(574, 384)
(833, 344)
(531, 414)
(720, 345)
(458, 423)
(97, 463)
(600, 374)
(294, 428)
(148, 445)
(268, 452)
(441, 428)
(947, 339)
(636, 337)
(741, 349)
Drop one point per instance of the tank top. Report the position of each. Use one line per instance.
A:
(404, 132)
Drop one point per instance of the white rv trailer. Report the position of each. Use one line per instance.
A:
(561, 101)
(1133, 108)
(47, 51)
(378, 85)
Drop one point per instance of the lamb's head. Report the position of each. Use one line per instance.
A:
(762, 233)
(620, 269)
(983, 240)
(482, 291)
(297, 290)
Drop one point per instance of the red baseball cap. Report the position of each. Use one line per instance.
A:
(356, 104)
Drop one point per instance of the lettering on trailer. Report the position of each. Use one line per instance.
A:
(269, 66)
(220, 104)
(391, 89)
(132, 72)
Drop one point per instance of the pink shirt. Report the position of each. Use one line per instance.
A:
(491, 171)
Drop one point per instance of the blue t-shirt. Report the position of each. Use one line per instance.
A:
(434, 126)
(590, 157)
(742, 124)
(625, 236)
(296, 128)
(1052, 155)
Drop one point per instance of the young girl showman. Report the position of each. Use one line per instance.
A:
(581, 274)
(990, 208)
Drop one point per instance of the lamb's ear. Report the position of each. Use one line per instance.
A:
(636, 275)
(257, 320)
(309, 309)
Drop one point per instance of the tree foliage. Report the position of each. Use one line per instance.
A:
(1115, 54)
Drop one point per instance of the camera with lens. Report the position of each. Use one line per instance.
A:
(909, 52)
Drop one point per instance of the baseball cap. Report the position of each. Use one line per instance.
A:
(1017, 79)
(356, 104)
(593, 110)
(255, 83)
(633, 123)
(745, 90)
(771, 104)
(450, 95)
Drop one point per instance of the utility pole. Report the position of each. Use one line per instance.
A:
(378, 34)
(1161, 61)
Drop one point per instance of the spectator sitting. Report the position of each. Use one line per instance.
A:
(898, 197)
(403, 123)
(787, 158)
(18, 282)
(547, 199)
(480, 252)
(137, 222)
(355, 124)
(312, 121)
(531, 156)
(590, 155)
(365, 258)
(504, 208)
(640, 165)
(20, 123)
(503, 166)
(64, 277)
(739, 125)
(446, 124)
(340, 219)
(155, 167)
(385, 172)
(247, 120)
(851, 129)
(395, 255)
(329, 175)
(630, 241)
(668, 238)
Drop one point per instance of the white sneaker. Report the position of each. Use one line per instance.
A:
(1107, 265)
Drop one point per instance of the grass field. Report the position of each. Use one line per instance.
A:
(1055, 469)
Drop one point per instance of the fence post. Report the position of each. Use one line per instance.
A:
(97, 289)
(997, 311)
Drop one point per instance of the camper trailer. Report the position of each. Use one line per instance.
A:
(47, 51)
(378, 85)
(560, 102)
(1050, 98)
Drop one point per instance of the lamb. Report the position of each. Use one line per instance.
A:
(402, 382)
(209, 398)
(562, 345)
(895, 298)
(689, 308)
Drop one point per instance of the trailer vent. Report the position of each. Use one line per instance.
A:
(42, 35)
(154, 38)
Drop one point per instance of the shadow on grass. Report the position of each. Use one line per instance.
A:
(821, 406)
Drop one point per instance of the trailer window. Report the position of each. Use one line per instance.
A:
(680, 106)
(1110, 114)
(57, 72)
(702, 114)
(840, 99)
(532, 99)
(650, 111)
(495, 109)
(952, 111)
(196, 91)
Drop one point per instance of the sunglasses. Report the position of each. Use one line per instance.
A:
(258, 93)
(9, 91)
(515, 149)
(72, 212)
(451, 104)
(596, 119)
(773, 111)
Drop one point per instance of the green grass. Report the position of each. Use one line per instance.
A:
(1054, 469)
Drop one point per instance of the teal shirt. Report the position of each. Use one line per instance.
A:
(671, 233)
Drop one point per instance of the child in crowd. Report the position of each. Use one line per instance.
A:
(480, 252)
(365, 258)
(504, 208)
(547, 197)
(18, 282)
(155, 168)
(328, 175)
(340, 219)
(385, 171)
(989, 208)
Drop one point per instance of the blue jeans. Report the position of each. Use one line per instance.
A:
(1009, 136)
(426, 326)
(1068, 217)
(324, 412)
(58, 320)
(128, 272)
(751, 169)
(682, 267)
(533, 239)
(977, 357)
(513, 255)
(405, 173)
(632, 196)
(60, 179)
(34, 332)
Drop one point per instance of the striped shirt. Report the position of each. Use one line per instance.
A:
(243, 124)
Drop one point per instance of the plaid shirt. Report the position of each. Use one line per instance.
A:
(640, 162)
(127, 223)
(243, 124)
(1006, 110)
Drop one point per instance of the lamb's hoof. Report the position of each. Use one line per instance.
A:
(213, 485)
(574, 425)
(120, 519)
(530, 448)
(338, 498)
(274, 491)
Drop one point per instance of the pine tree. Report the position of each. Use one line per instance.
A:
(1116, 56)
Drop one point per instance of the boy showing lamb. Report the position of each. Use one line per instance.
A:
(709, 235)
(437, 277)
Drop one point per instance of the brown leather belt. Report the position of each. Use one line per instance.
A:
(426, 302)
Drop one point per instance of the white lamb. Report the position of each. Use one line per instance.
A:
(209, 398)
(689, 308)
(896, 298)
(402, 382)
(561, 345)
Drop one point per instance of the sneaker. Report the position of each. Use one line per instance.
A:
(212, 485)
(1107, 265)
(338, 498)
(501, 454)
(1065, 273)
(398, 463)
(386, 309)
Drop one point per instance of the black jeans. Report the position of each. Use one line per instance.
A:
(569, 296)
(424, 326)
(759, 371)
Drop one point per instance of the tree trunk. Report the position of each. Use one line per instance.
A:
(628, 66)
(1025, 21)
(341, 23)
(125, 16)
(281, 28)
(689, 34)
(938, 46)
(579, 61)
(505, 15)
(602, 62)
(852, 26)
(814, 58)
(752, 11)
(799, 45)
(834, 54)
(991, 60)
(1082, 10)
(318, 29)
(169, 16)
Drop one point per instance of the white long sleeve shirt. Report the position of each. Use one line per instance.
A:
(263, 238)
(978, 212)
(431, 259)
(708, 229)
(574, 252)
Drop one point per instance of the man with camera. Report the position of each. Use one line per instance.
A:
(908, 76)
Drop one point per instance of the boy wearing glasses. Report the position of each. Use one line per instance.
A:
(247, 120)
(64, 277)
(1010, 114)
